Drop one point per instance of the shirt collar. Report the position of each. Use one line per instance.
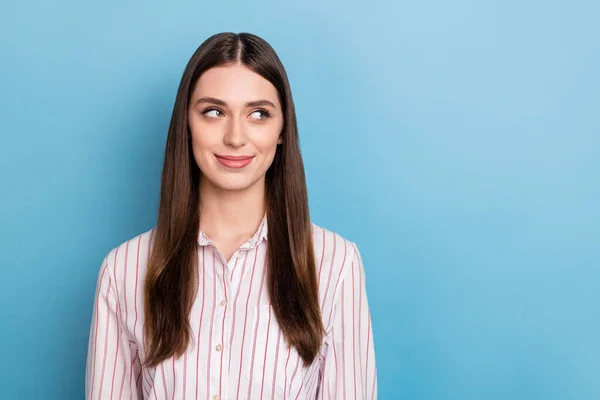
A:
(260, 234)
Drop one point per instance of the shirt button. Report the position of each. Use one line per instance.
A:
(219, 347)
(216, 397)
(240, 255)
(223, 302)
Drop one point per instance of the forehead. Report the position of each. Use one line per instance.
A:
(234, 84)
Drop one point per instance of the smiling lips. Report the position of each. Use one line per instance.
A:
(234, 161)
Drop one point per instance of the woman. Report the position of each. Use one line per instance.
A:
(235, 293)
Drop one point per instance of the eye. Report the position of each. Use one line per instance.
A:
(260, 114)
(212, 113)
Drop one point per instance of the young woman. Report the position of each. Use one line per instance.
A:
(235, 293)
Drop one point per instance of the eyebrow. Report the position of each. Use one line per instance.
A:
(256, 103)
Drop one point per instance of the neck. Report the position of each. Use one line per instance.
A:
(231, 214)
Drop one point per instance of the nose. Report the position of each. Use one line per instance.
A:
(234, 134)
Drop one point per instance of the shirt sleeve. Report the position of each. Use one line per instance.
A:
(113, 365)
(348, 367)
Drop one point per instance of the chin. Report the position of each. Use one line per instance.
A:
(234, 187)
(236, 184)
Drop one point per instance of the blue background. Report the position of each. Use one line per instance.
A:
(456, 142)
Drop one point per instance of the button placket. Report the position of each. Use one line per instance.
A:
(223, 321)
(235, 266)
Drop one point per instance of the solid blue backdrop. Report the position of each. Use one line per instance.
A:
(456, 142)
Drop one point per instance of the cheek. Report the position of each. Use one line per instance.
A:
(267, 150)
(200, 135)
(266, 141)
(201, 148)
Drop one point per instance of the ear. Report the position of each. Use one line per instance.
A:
(280, 139)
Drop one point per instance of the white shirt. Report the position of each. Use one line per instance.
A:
(237, 350)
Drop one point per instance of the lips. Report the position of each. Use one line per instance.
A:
(235, 158)
(234, 161)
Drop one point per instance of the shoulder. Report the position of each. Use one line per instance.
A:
(337, 257)
(334, 256)
(331, 242)
(125, 264)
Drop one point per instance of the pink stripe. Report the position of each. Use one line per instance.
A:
(146, 389)
(184, 374)
(233, 270)
(285, 373)
(130, 380)
(162, 367)
(335, 359)
(137, 380)
(314, 378)
(223, 326)
(276, 355)
(125, 281)
(299, 390)
(126, 319)
(234, 308)
(153, 385)
(148, 258)
(210, 330)
(343, 342)
(260, 292)
(336, 286)
(117, 314)
(175, 380)
(96, 328)
(330, 269)
(137, 266)
(150, 247)
(324, 380)
(294, 374)
(328, 390)
(244, 334)
(116, 317)
(374, 381)
(321, 270)
(200, 324)
(147, 380)
(265, 356)
(368, 347)
(105, 342)
(115, 273)
(360, 322)
(353, 330)
(125, 365)
(307, 378)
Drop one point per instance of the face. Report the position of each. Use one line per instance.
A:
(235, 121)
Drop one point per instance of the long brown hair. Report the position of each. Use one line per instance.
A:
(172, 278)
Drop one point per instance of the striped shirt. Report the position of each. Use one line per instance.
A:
(237, 349)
